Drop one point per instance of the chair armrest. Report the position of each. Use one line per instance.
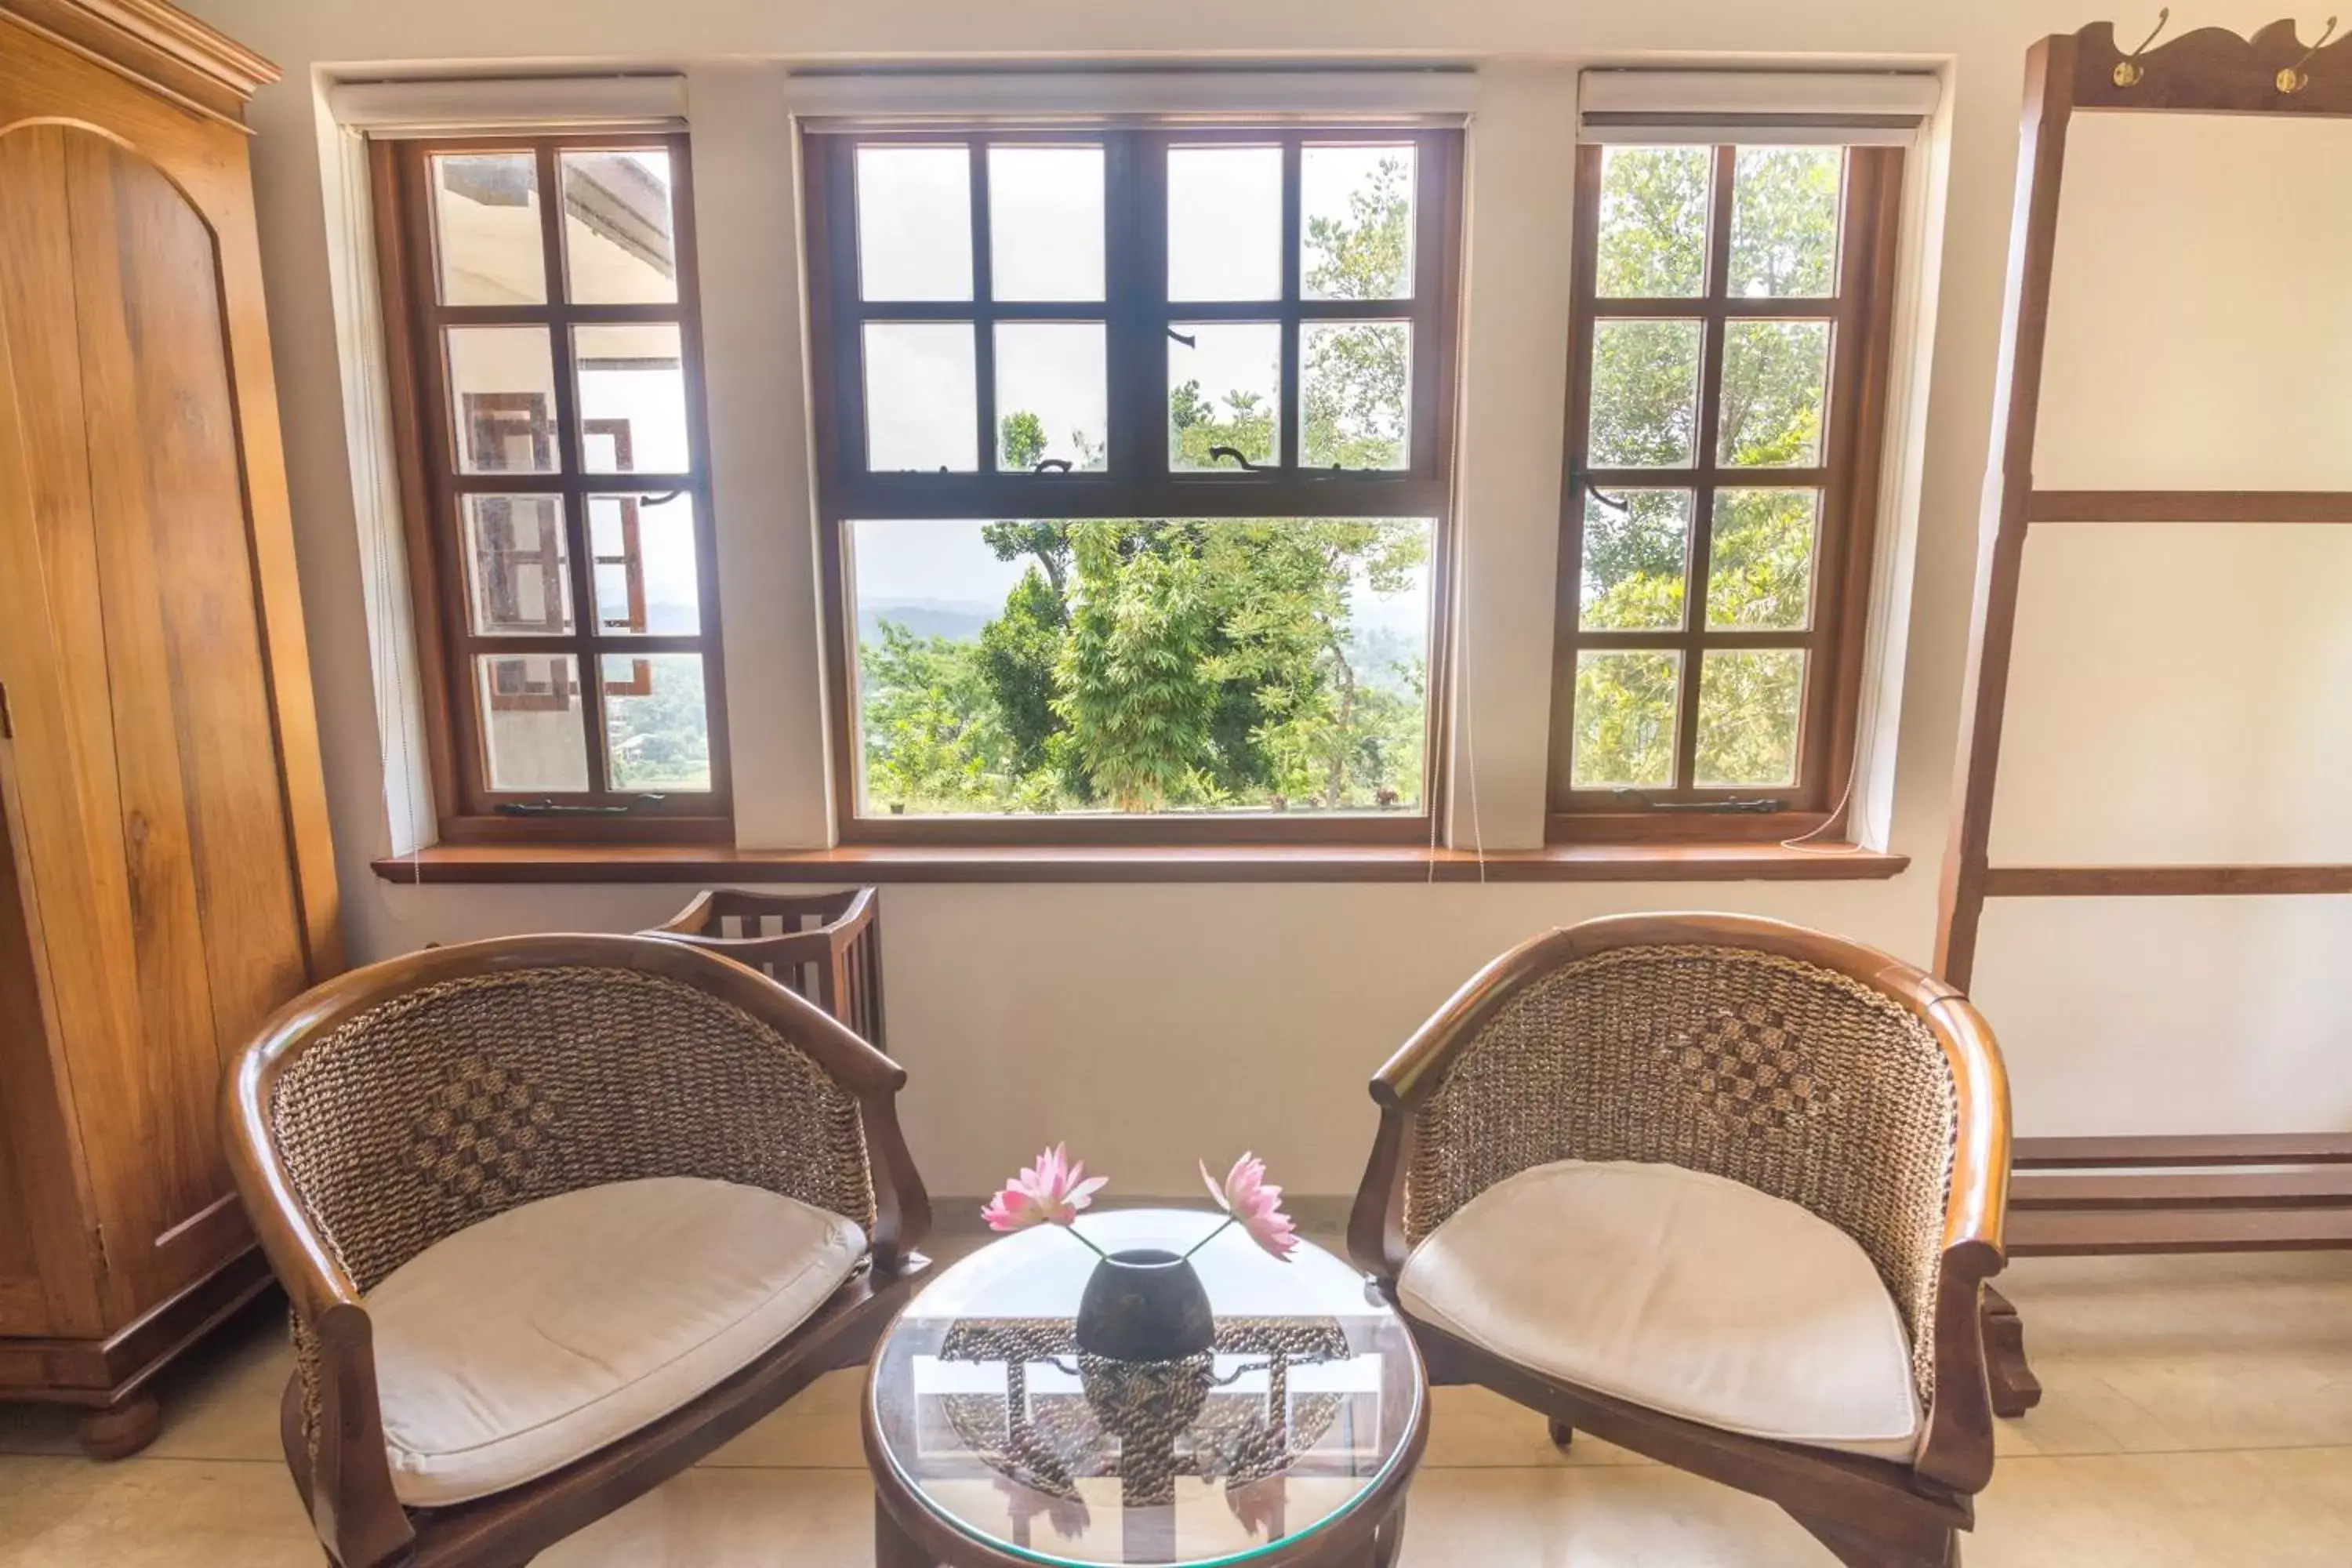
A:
(1407, 1078)
(1958, 1450)
(902, 1210)
(1376, 1232)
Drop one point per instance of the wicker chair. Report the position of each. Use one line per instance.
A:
(1722, 1191)
(616, 1198)
(826, 947)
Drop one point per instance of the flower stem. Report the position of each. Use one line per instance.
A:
(1073, 1228)
(1208, 1238)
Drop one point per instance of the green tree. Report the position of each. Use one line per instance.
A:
(1759, 567)
(1133, 681)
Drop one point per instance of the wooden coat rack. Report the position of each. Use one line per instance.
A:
(2078, 1195)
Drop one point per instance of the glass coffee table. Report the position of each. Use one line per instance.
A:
(995, 1442)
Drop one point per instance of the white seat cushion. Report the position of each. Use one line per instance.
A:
(543, 1333)
(1682, 1292)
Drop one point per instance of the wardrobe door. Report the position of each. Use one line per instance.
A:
(157, 821)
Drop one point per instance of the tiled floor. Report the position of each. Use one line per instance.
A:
(2198, 1411)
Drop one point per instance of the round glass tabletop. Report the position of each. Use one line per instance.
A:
(990, 1416)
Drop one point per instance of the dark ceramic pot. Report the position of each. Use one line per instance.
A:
(1145, 1304)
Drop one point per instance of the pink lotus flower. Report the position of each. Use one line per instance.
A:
(1051, 1192)
(1254, 1205)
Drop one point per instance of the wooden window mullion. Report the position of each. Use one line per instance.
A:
(1705, 461)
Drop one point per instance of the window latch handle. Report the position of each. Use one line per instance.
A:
(1060, 464)
(1577, 474)
(1236, 453)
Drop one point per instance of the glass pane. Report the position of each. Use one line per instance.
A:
(657, 724)
(517, 569)
(1224, 389)
(1636, 561)
(1355, 222)
(1051, 399)
(1625, 705)
(1784, 221)
(646, 577)
(1644, 394)
(1760, 559)
(1774, 377)
(631, 398)
(1352, 383)
(532, 734)
(1045, 223)
(486, 225)
(1185, 665)
(1224, 222)
(1748, 703)
(502, 398)
(914, 223)
(1652, 227)
(619, 236)
(923, 397)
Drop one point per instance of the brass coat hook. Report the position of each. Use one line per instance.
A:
(2128, 71)
(2294, 78)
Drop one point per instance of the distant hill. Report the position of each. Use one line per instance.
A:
(958, 620)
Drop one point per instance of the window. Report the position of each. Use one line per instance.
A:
(547, 406)
(1135, 459)
(1727, 379)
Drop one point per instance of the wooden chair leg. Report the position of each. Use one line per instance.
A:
(2015, 1389)
(1857, 1548)
(1562, 1434)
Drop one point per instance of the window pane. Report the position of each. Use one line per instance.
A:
(1352, 384)
(631, 398)
(1652, 240)
(518, 570)
(922, 399)
(914, 223)
(1241, 665)
(1051, 400)
(646, 577)
(1045, 223)
(1636, 561)
(486, 225)
(1644, 394)
(656, 723)
(532, 734)
(620, 244)
(1748, 703)
(1224, 222)
(1760, 559)
(1774, 375)
(1224, 389)
(1624, 730)
(502, 397)
(1355, 222)
(1784, 221)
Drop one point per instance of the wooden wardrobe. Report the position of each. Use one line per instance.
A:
(165, 876)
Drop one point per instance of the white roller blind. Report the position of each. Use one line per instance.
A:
(438, 107)
(1436, 94)
(1838, 108)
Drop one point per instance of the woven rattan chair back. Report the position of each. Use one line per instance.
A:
(435, 1109)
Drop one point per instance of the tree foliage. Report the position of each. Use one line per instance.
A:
(1759, 574)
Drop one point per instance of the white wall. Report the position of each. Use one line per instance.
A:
(1149, 1024)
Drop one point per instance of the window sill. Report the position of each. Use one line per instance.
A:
(471, 863)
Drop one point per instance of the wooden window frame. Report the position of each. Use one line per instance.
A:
(432, 488)
(1136, 481)
(1861, 315)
